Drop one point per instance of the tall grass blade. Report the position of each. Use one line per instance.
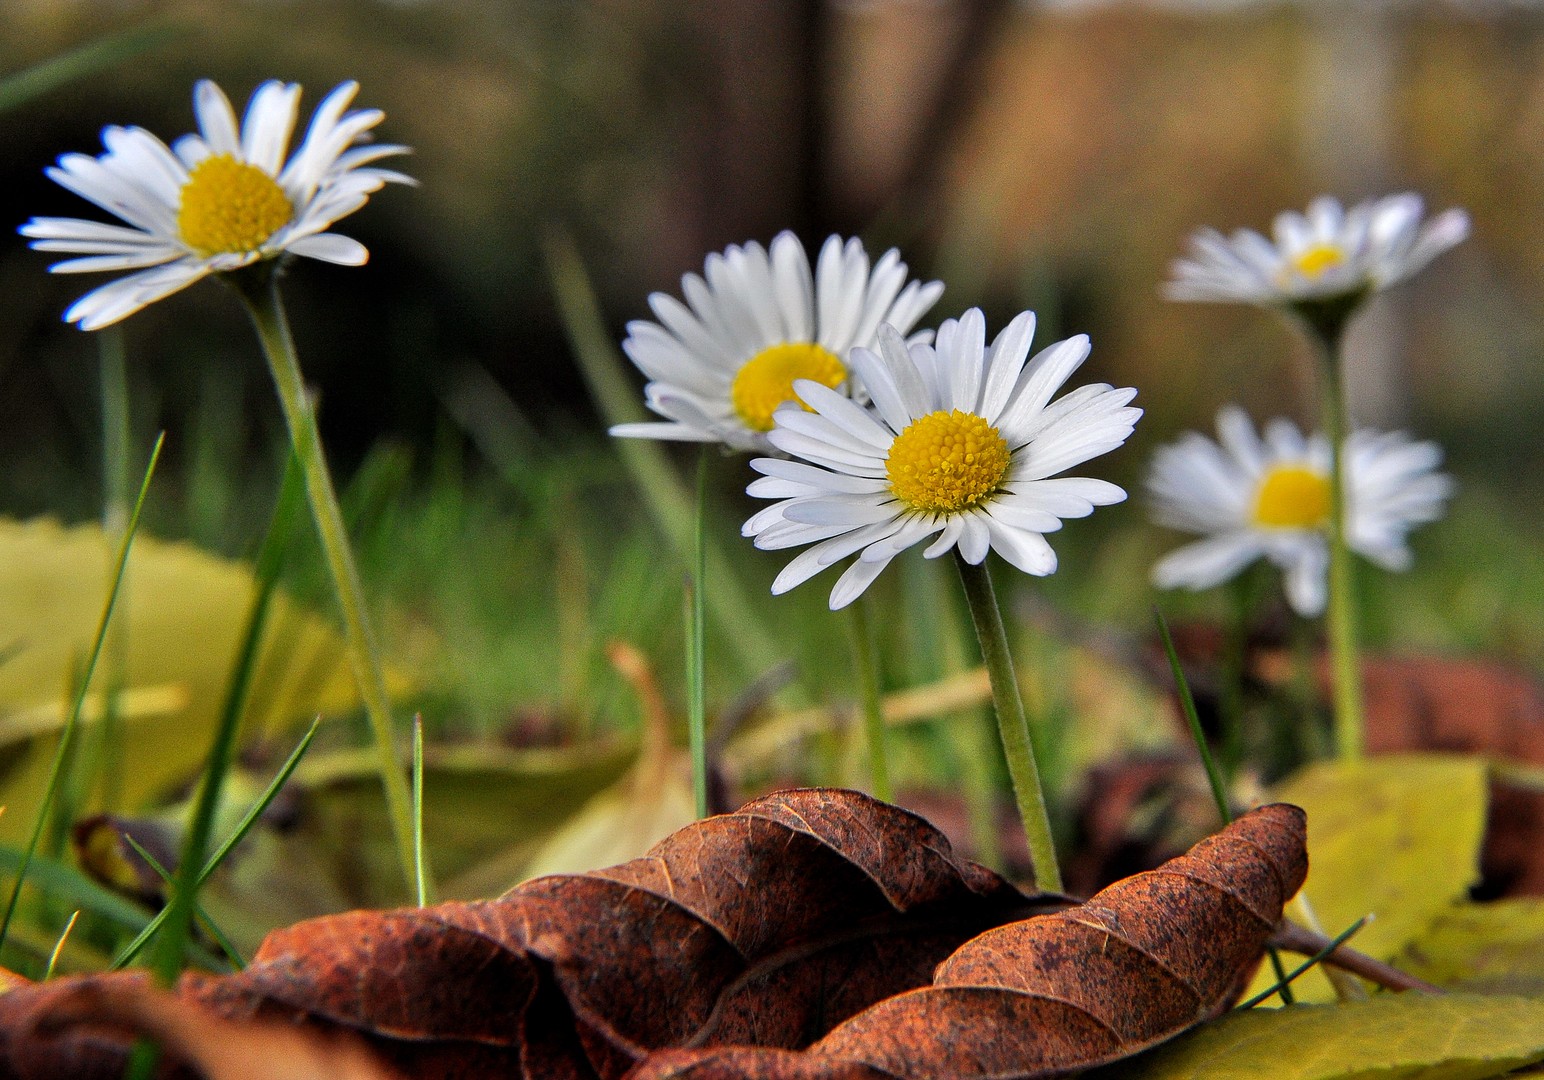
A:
(100, 55)
(166, 960)
(53, 957)
(166, 876)
(1188, 705)
(248, 819)
(1284, 980)
(664, 495)
(61, 752)
(421, 891)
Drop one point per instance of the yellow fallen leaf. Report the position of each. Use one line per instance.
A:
(1494, 948)
(1391, 1037)
(179, 622)
(1397, 837)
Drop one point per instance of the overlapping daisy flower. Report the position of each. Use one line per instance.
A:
(1254, 497)
(216, 200)
(1325, 254)
(754, 322)
(961, 446)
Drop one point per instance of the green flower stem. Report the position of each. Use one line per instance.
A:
(696, 645)
(1345, 656)
(1011, 723)
(864, 659)
(258, 287)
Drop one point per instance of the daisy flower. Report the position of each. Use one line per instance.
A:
(756, 321)
(1329, 253)
(1270, 498)
(216, 200)
(960, 446)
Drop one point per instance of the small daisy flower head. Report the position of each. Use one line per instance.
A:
(755, 322)
(216, 200)
(1327, 254)
(1253, 497)
(960, 448)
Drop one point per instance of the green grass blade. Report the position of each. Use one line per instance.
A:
(94, 56)
(171, 881)
(420, 881)
(53, 957)
(1188, 704)
(166, 961)
(61, 752)
(1285, 980)
(665, 497)
(248, 819)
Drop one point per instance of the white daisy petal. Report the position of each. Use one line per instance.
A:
(269, 123)
(216, 118)
(839, 410)
(884, 394)
(122, 297)
(1306, 580)
(330, 247)
(1022, 549)
(848, 510)
(854, 580)
(1010, 350)
(1040, 379)
(1251, 498)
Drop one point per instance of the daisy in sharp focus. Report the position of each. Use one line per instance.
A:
(959, 448)
(1326, 254)
(756, 321)
(1270, 498)
(216, 200)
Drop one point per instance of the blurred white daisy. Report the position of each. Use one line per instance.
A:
(960, 444)
(1270, 498)
(756, 321)
(215, 200)
(1329, 253)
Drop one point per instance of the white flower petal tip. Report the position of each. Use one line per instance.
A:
(1327, 254)
(215, 200)
(725, 357)
(957, 449)
(1251, 497)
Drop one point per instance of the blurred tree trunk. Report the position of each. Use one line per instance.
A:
(1351, 63)
(822, 117)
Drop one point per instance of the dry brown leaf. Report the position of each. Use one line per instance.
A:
(806, 917)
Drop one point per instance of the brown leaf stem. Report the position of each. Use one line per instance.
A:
(1299, 939)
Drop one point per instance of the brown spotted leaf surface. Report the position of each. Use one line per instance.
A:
(811, 935)
(1140, 962)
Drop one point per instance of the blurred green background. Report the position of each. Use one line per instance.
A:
(1045, 156)
(1054, 157)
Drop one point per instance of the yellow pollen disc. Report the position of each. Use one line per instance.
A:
(1292, 497)
(230, 207)
(946, 462)
(1312, 262)
(766, 380)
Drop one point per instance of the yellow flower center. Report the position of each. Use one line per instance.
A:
(766, 380)
(1292, 497)
(230, 207)
(1312, 262)
(946, 462)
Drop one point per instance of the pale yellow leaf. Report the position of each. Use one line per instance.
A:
(1391, 1037)
(174, 638)
(1495, 948)
(1396, 837)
